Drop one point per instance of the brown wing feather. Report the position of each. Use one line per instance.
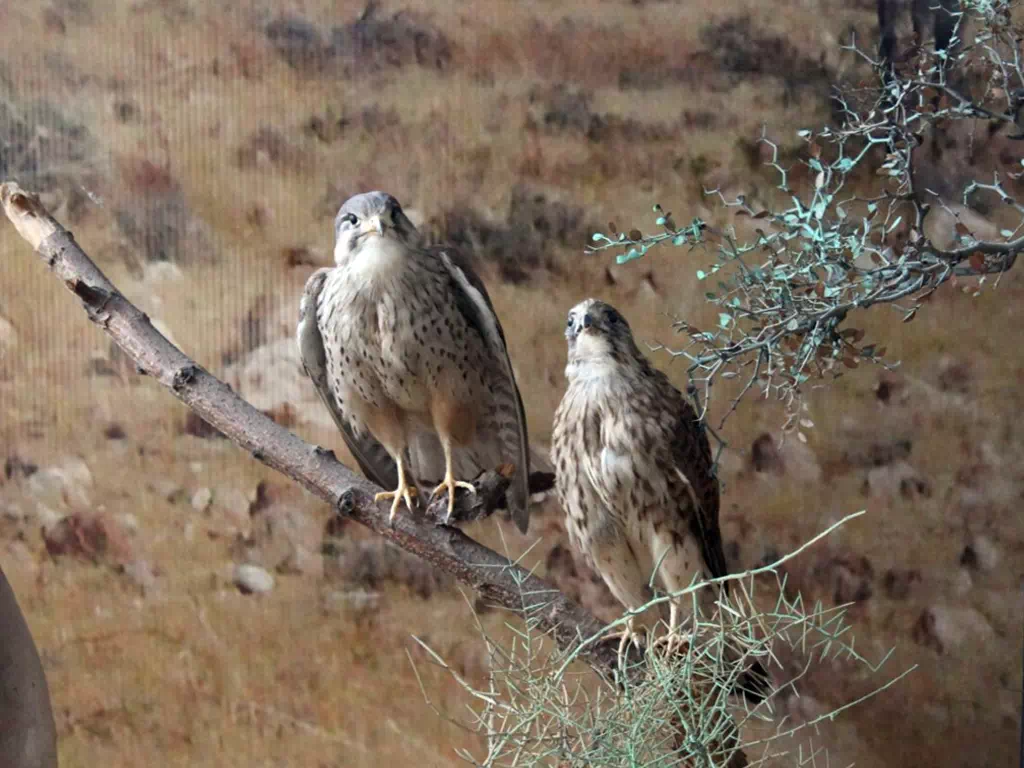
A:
(691, 452)
(484, 320)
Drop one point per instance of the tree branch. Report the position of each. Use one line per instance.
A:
(494, 577)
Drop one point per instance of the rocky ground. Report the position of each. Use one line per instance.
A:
(193, 608)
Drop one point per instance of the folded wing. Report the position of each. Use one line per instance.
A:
(373, 459)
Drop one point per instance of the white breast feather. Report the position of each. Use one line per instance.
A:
(379, 260)
(617, 465)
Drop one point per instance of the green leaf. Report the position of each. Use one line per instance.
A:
(701, 274)
(724, 319)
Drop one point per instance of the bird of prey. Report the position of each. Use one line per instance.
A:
(634, 471)
(404, 348)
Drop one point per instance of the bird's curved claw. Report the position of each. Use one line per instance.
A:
(450, 484)
(673, 640)
(626, 636)
(403, 491)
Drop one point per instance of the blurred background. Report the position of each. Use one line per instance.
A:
(199, 152)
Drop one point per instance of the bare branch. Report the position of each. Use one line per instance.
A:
(494, 577)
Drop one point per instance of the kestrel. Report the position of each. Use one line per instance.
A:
(405, 350)
(634, 471)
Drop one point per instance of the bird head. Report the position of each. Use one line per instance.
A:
(596, 332)
(366, 217)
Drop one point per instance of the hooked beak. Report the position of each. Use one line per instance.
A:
(377, 224)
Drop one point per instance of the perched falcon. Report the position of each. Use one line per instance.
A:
(634, 472)
(405, 350)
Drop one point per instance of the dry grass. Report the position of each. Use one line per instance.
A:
(193, 673)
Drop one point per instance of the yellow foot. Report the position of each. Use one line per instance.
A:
(626, 636)
(403, 491)
(673, 640)
(451, 484)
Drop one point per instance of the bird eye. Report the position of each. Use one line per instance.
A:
(350, 218)
(613, 318)
(568, 323)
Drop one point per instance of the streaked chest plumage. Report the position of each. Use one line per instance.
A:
(609, 448)
(391, 330)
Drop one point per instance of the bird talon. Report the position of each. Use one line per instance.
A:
(403, 491)
(626, 636)
(450, 483)
(672, 640)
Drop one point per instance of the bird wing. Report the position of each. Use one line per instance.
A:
(373, 459)
(474, 303)
(691, 455)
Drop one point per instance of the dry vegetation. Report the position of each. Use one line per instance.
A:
(199, 153)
